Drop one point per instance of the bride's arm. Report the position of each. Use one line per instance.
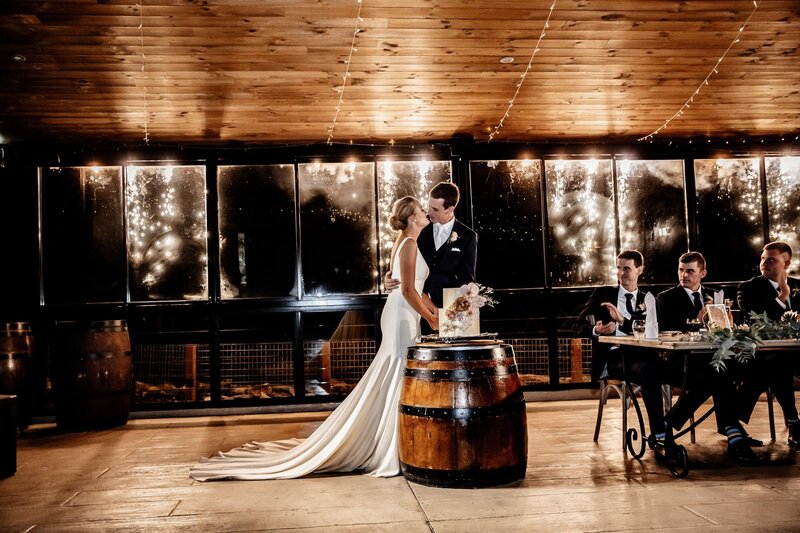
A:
(429, 304)
(408, 266)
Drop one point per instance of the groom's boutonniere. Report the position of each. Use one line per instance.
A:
(795, 292)
(454, 236)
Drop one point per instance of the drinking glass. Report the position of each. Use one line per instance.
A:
(638, 328)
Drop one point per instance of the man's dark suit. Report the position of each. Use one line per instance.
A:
(772, 370)
(594, 312)
(453, 264)
(642, 366)
(675, 307)
(757, 294)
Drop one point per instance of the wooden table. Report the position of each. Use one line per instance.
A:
(677, 345)
(681, 343)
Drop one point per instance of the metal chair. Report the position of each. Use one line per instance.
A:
(618, 385)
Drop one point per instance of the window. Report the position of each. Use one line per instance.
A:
(82, 236)
(166, 228)
(397, 179)
(783, 200)
(337, 228)
(652, 215)
(729, 222)
(580, 209)
(257, 231)
(506, 203)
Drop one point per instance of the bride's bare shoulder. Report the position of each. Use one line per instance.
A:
(408, 247)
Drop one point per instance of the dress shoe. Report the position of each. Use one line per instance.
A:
(794, 435)
(743, 454)
(659, 452)
(664, 451)
(753, 443)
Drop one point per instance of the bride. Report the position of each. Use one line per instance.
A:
(361, 434)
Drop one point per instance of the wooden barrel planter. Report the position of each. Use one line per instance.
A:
(93, 378)
(16, 368)
(462, 416)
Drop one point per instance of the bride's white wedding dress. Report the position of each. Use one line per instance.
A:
(361, 434)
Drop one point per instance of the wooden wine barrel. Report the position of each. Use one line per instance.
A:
(16, 368)
(93, 378)
(8, 435)
(462, 416)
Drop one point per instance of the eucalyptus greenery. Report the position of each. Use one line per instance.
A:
(740, 342)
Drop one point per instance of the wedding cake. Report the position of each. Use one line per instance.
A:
(458, 319)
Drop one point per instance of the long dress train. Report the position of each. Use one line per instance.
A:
(361, 434)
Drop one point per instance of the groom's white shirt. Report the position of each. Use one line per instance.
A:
(441, 232)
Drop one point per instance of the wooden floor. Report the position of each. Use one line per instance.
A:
(135, 478)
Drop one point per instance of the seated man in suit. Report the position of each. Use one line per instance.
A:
(676, 306)
(773, 292)
(610, 311)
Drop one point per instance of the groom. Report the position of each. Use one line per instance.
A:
(449, 247)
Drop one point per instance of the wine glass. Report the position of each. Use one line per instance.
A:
(638, 327)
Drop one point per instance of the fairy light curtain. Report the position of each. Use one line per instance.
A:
(783, 203)
(397, 179)
(166, 232)
(730, 226)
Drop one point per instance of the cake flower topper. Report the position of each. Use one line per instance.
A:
(471, 297)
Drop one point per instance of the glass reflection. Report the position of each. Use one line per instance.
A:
(19, 197)
(166, 216)
(397, 179)
(337, 228)
(257, 231)
(508, 218)
(783, 200)
(580, 209)
(337, 350)
(83, 250)
(729, 222)
(652, 216)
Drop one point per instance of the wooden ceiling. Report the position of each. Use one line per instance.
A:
(270, 71)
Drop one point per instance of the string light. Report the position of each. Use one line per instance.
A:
(144, 71)
(714, 70)
(524, 74)
(346, 74)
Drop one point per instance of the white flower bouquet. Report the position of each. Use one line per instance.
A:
(461, 311)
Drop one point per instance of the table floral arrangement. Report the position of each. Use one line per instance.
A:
(740, 342)
(459, 313)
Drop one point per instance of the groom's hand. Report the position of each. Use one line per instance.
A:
(389, 283)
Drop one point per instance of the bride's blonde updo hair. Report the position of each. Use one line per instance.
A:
(402, 210)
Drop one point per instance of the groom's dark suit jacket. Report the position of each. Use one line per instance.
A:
(757, 294)
(453, 264)
(594, 312)
(675, 307)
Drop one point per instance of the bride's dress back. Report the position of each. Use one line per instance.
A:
(361, 434)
